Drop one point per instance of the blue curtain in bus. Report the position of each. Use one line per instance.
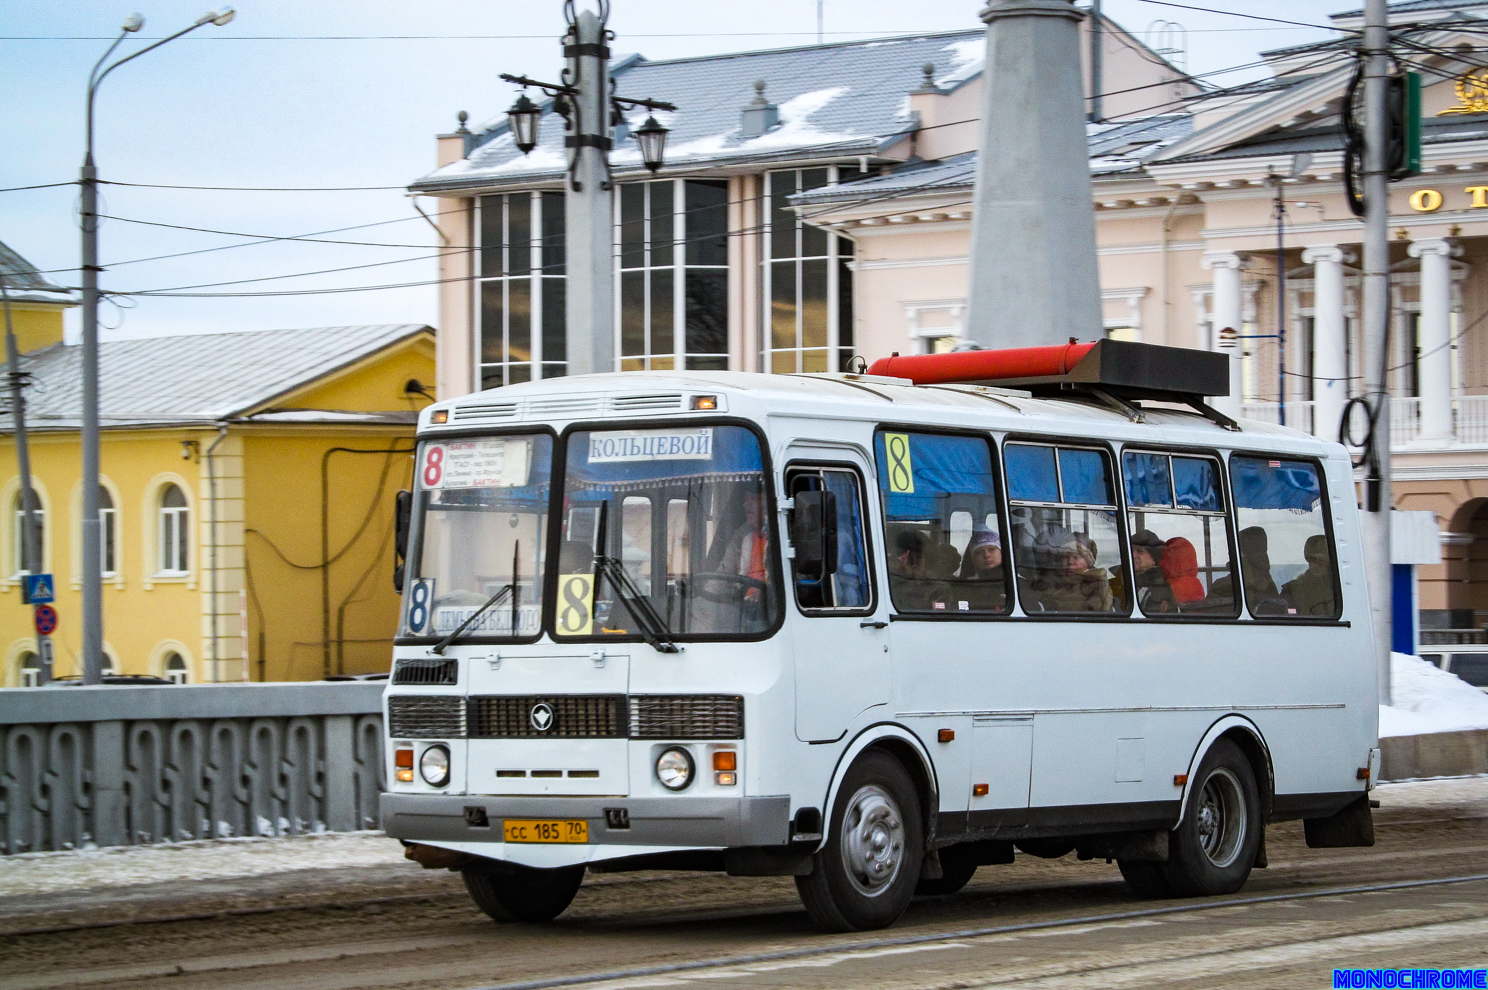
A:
(1197, 482)
(1261, 483)
(1084, 477)
(852, 570)
(1147, 479)
(938, 466)
(1031, 473)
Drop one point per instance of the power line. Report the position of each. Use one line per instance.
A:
(1253, 17)
(266, 237)
(472, 37)
(157, 185)
(44, 185)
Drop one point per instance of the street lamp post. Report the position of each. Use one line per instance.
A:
(88, 179)
(584, 101)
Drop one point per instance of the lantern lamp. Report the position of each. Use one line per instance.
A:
(651, 136)
(523, 118)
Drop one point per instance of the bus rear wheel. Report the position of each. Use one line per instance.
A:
(1213, 850)
(530, 896)
(866, 873)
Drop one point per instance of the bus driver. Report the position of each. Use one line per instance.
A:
(748, 550)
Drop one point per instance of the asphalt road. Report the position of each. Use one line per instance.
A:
(1034, 923)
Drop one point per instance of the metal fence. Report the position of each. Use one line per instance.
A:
(112, 766)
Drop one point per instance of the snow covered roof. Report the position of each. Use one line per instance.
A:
(835, 101)
(202, 378)
(23, 283)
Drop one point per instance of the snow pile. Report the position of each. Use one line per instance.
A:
(1429, 699)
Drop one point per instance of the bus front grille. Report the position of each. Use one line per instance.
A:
(562, 716)
(687, 716)
(426, 670)
(422, 716)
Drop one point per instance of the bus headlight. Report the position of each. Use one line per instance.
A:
(674, 768)
(434, 766)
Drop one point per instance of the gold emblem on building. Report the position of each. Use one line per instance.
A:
(1472, 93)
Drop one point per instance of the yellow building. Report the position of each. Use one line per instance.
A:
(247, 506)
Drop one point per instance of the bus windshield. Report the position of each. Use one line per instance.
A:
(684, 512)
(479, 534)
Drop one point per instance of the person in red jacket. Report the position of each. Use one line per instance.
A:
(1180, 562)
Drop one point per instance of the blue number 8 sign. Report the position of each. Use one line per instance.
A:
(419, 597)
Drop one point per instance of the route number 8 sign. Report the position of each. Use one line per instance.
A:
(489, 462)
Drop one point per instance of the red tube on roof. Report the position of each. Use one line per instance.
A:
(983, 366)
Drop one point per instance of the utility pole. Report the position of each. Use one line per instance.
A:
(1097, 62)
(1377, 497)
(31, 532)
(1280, 302)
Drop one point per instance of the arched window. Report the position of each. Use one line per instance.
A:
(175, 667)
(174, 543)
(108, 529)
(106, 665)
(18, 532)
(30, 669)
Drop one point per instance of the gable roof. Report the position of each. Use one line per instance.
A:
(23, 283)
(835, 101)
(199, 379)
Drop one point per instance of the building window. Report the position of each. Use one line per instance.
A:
(522, 304)
(808, 281)
(30, 669)
(174, 542)
(672, 275)
(108, 529)
(175, 667)
(18, 532)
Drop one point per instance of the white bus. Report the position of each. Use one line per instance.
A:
(875, 634)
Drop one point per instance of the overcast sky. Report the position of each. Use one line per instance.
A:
(337, 93)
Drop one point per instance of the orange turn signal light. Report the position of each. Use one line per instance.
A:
(1363, 773)
(403, 758)
(946, 735)
(439, 416)
(1179, 779)
(704, 403)
(978, 790)
(725, 759)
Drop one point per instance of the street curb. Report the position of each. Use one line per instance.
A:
(1435, 754)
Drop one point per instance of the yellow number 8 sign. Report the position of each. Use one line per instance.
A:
(901, 466)
(575, 604)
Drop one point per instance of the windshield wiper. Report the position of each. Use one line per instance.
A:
(653, 626)
(501, 593)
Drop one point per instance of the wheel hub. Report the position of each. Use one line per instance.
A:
(872, 840)
(1221, 817)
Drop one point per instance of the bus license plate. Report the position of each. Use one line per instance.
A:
(517, 830)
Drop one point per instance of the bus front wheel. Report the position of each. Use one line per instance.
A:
(866, 873)
(1214, 848)
(530, 895)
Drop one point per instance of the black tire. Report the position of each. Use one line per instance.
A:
(530, 896)
(876, 823)
(957, 867)
(1148, 880)
(1213, 850)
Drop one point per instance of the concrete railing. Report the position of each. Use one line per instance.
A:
(113, 766)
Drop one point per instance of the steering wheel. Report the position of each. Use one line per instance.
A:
(738, 586)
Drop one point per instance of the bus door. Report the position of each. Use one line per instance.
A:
(841, 651)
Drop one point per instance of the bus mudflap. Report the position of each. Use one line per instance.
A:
(1352, 826)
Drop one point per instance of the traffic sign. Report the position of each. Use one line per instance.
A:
(46, 620)
(39, 590)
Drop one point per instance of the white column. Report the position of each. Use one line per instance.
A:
(1435, 336)
(1329, 339)
(1225, 314)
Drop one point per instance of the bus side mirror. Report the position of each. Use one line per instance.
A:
(402, 514)
(814, 532)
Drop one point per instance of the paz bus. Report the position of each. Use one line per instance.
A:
(875, 631)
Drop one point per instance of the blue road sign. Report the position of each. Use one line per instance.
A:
(39, 589)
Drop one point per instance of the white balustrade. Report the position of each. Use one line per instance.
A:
(1471, 420)
(1405, 420)
(1298, 414)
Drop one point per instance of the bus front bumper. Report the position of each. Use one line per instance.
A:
(454, 820)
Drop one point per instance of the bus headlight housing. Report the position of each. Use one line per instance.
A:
(434, 766)
(674, 768)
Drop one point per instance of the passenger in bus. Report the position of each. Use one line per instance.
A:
(1255, 566)
(1180, 563)
(1068, 580)
(942, 561)
(981, 583)
(747, 552)
(914, 590)
(1311, 592)
(1154, 594)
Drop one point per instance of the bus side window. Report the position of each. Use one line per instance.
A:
(1065, 535)
(841, 583)
(1180, 535)
(1287, 561)
(942, 523)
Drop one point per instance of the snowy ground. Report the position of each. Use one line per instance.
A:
(1429, 699)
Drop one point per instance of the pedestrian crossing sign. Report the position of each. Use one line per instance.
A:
(39, 589)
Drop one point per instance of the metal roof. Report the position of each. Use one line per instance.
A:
(201, 379)
(835, 101)
(23, 283)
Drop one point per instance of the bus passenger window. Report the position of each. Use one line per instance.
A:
(1286, 557)
(1064, 531)
(1180, 536)
(942, 523)
(843, 582)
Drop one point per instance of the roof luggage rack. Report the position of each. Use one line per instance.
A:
(1114, 373)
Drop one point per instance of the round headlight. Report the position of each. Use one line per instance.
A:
(674, 768)
(434, 766)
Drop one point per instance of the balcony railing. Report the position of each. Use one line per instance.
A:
(1298, 414)
(1469, 420)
